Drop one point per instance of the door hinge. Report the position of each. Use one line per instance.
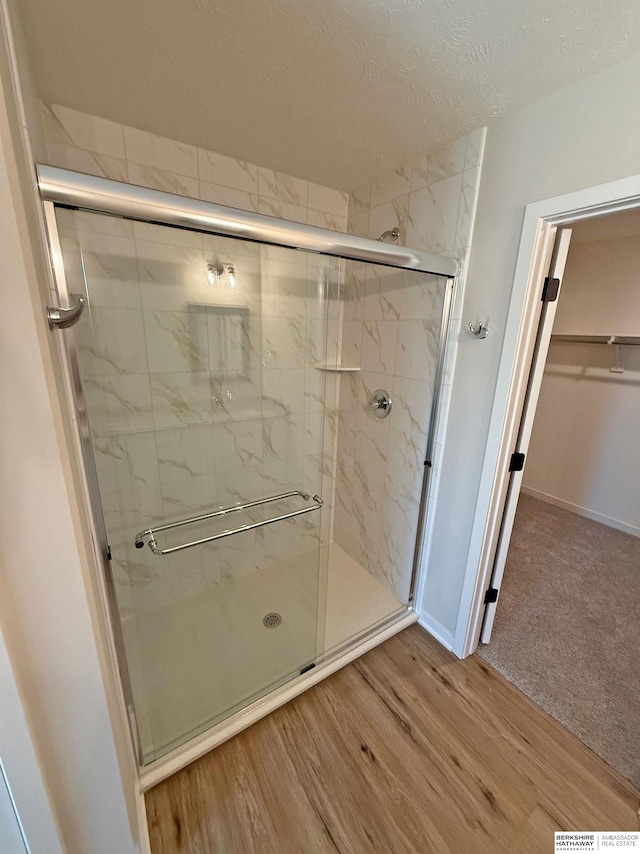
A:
(108, 552)
(491, 596)
(550, 289)
(517, 462)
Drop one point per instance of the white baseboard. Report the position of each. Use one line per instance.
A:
(434, 628)
(582, 511)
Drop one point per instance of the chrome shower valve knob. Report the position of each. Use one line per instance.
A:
(380, 403)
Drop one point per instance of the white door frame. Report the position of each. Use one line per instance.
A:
(546, 316)
(541, 221)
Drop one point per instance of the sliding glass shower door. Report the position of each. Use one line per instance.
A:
(200, 364)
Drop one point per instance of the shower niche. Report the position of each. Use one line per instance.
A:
(257, 519)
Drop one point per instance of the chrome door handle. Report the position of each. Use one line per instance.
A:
(224, 511)
(60, 318)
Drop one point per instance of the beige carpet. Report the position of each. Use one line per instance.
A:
(567, 629)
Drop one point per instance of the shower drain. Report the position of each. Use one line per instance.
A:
(272, 620)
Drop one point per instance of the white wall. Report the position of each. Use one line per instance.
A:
(30, 102)
(584, 135)
(10, 830)
(45, 610)
(22, 789)
(601, 288)
(584, 453)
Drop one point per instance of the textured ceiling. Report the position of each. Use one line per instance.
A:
(334, 91)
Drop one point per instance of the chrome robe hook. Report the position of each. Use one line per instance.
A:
(480, 331)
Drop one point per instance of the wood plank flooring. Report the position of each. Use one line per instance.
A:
(407, 749)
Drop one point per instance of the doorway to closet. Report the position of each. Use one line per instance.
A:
(566, 630)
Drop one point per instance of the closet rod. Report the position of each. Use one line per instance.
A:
(596, 339)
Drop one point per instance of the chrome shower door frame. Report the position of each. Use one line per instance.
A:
(91, 478)
(61, 187)
(443, 338)
(101, 195)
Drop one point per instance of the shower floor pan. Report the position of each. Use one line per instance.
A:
(201, 654)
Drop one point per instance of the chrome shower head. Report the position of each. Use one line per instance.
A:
(393, 234)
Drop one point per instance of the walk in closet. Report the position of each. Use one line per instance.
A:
(566, 629)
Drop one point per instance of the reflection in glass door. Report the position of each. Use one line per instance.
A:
(198, 358)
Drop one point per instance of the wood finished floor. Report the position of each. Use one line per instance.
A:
(407, 749)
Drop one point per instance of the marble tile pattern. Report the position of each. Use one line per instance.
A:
(85, 143)
(390, 328)
(199, 396)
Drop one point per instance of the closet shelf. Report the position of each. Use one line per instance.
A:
(596, 339)
(326, 366)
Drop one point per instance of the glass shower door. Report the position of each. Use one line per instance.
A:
(198, 357)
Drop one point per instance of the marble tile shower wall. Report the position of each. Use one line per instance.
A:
(387, 327)
(390, 327)
(85, 143)
(199, 396)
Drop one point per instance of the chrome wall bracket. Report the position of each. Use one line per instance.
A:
(61, 318)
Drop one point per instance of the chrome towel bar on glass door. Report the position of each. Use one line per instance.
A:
(151, 532)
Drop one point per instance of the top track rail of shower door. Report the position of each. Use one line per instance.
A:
(100, 195)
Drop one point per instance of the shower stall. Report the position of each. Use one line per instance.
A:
(256, 443)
